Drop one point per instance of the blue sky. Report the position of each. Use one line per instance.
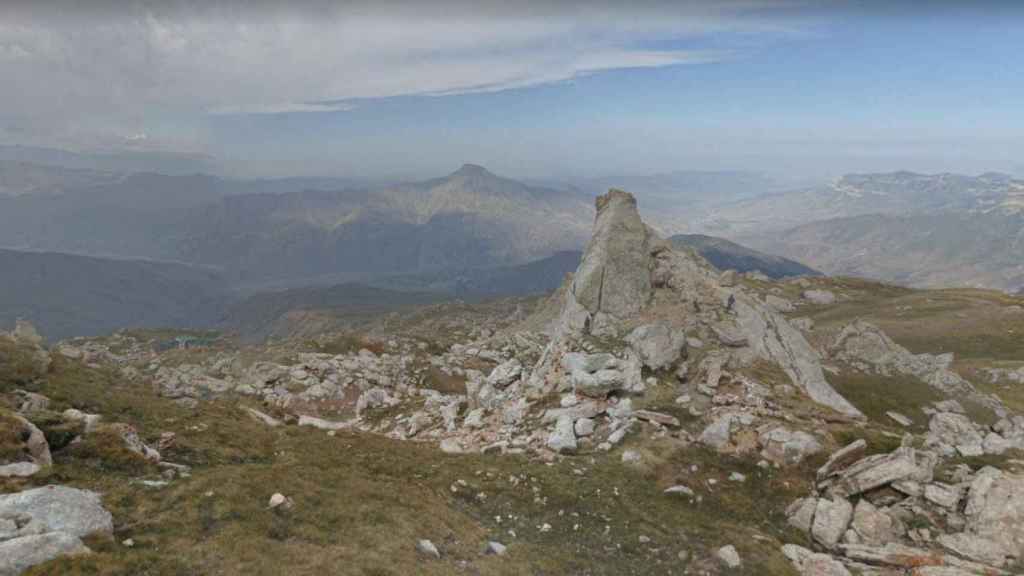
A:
(794, 89)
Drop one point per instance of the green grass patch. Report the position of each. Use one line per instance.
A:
(874, 395)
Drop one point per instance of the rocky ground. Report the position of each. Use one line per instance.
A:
(653, 416)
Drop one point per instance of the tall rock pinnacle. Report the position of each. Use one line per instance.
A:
(613, 280)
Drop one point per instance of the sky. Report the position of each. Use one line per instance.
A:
(556, 90)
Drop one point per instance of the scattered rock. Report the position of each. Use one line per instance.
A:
(729, 556)
(584, 427)
(786, 447)
(20, 554)
(810, 563)
(842, 458)
(19, 470)
(874, 526)
(899, 418)
(679, 489)
(28, 402)
(563, 438)
(505, 373)
(821, 297)
(89, 421)
(779, 304)
(427, 548)
(800, 514)
(831, 518)
(943, 495)
(277, 500)
(949, 431)
(261, 417)
(657, 345)
(325, 424)
(718, 434)
(730, 335)
(657, 417)
(495, 549)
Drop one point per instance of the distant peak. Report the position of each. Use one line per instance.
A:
(472, 170)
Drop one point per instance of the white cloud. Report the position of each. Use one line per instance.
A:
(81, 73)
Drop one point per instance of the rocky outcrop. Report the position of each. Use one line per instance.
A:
(613, 280)
(596, 375)
(869, 349)
(880, 470)
(774, 338)
(976, 521)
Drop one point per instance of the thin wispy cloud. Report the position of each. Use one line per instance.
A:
(106, 69)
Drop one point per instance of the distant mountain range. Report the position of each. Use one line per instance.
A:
(22, 178)
(921, 230)
(67, 296)
(896, 193)
(297, 230)
(471, 234)
(468, 219)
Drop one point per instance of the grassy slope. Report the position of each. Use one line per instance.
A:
(362, 501)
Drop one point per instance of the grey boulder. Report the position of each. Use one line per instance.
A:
(658, 345)
(20, 554)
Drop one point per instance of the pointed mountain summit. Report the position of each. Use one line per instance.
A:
(469, 170)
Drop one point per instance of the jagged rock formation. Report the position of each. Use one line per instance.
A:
(625, 266)
(869, 349)
(775, 338)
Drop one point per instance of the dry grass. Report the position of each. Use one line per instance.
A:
(12, 441)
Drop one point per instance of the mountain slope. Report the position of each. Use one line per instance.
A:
(125, 215)
(726, 255)
(66, 296)
(273, 313)
(469, 219)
